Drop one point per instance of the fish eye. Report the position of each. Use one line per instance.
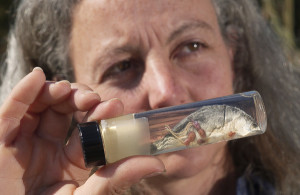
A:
(254, 126)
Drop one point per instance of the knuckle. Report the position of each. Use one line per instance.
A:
(7, 124)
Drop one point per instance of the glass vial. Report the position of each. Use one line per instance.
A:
(173, 128)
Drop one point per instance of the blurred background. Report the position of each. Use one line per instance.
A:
(282, 15)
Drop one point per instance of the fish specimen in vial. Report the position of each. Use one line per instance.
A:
(209, 124)
(173, 128)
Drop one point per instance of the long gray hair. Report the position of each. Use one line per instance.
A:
(39, 37)
(260, 64)
(41, 34)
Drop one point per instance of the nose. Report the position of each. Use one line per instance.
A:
(163, 83)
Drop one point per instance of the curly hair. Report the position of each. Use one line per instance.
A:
(260, 64)
(40, 37)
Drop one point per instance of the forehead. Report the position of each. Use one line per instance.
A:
(120, 16)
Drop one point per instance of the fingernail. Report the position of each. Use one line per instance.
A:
(89, 92)
(37, 68)
(64, 82)
(109, 101)
(113, 99)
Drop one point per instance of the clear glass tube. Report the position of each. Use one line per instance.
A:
(180, 127)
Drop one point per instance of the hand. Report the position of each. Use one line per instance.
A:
(34, 158)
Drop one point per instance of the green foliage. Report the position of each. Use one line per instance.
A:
(281, 14)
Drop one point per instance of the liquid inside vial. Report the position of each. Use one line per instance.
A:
(205, 122)
(209, 124)
(176, 128)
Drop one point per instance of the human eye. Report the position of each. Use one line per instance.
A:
(189, 49)
(190, 55)
(123, 73)
(118, 68)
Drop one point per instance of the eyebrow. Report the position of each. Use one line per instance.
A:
(189, 26)
(122, 50)
(111, 53)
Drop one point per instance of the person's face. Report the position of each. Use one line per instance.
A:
(152, 54)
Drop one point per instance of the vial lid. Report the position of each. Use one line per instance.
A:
(92, 144)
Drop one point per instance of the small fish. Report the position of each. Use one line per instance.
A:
(210, 124)
(211, 118)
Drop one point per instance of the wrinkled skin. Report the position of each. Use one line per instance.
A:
(148, 54)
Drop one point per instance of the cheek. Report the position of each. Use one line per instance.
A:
(213, 79)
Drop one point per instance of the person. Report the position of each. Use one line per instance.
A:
(132, 56)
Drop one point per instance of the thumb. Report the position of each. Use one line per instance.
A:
(118, 177)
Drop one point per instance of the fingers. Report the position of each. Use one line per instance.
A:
(32, 96)
(81, 98)
(54, 126)
(17, 104)
(108, 109)
(113, 179)
(23, 95)
(63, 99)
(118, 177)
(53, 93)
